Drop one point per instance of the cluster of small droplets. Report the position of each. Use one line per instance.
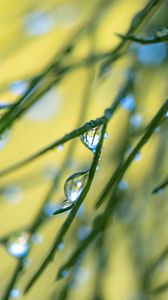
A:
(18, 245)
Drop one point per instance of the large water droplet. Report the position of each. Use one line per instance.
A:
(91, 138)
(18, 245)
(75, 184)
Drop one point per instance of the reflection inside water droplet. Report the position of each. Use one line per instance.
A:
(91, 138)
(74, 185)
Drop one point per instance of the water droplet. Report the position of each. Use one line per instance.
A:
(37, 23)
(63, 206)
(36, 238)
(97, 167)
(60, 247)
(66, 15)
(18, 246)
(128, 103)
(49, 172)
(108, 113)
(63, 274)
(18, 87)
(80, 211)
(157, 129)
(4, 137)
(161, 32)
(91, 138)
(50, 208)
(136, 120)
(137, 156)
(152, 54)
(105, 135)
(12, 194)
(60, 147)
(82, 232)
(27, 261)
(122, 185)
(74, 185)
(45, 108)
(15, 293)
(166, 114)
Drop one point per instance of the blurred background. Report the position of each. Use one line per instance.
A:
(33, 33)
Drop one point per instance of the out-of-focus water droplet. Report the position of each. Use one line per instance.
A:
(122, 185)
(49, 172)
(137, 157)
(81, 276)
(128, 103)
(166, 114)
(136, 120)
(45, 108)
(75, 185)
(4, 138)
(97, 167)
(66, 15)
(60, 246)
(80, 211)
(50, 208)
(108, 113)
(37, 23)
(18, 245)
(91, 138)
(63, 274)
(105, 135)
(82, 232)
(27, 261)
(152, 54)
(12, 194)
(60, 147)
(157, 129)
(161, 32)
(36, 238)
(18, 87)
(15, 293)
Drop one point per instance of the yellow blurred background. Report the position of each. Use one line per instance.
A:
(32, 33)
